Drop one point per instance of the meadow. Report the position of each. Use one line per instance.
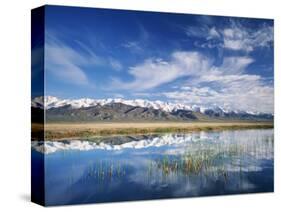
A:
(57, 131)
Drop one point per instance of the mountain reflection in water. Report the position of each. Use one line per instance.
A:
(157, 166)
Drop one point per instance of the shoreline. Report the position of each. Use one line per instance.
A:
(64, 131)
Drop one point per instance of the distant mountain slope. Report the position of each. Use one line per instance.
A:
(134, 110)
(115, 112)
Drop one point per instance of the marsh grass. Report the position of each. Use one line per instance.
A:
(102, 171)
(203, 162)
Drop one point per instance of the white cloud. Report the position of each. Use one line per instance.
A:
(133, 46)
(238, 37)
(213, 33)
(237, 95)
(64, 63)
(154, 72)
(234, 37)
(236, 45)
(226, 85)
(197, 31)
(67, 63)
(234, 64)
(229, 86)
(115, 64)
(138, 45)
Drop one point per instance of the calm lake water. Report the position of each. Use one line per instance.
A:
(153, 167)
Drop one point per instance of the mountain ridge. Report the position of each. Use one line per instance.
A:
(134, 110)
(54, 102)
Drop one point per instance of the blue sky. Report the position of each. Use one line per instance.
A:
(191, 59)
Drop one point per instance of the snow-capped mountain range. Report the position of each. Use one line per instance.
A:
(54, 102)
(179, 144)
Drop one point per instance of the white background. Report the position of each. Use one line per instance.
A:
(15, 104)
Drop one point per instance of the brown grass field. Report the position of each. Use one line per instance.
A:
(57, 131)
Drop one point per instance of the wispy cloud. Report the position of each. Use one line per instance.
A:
(234, 64)
(64, 62)
(238, 37)
(246, 93)
(234, 36)
(205, 83)
(229, 86)
(68, 63)
(213, 33)
(115, 64)
(134, 46)
(197, 31)
(207, 61)
(138, 45)
(154, 72)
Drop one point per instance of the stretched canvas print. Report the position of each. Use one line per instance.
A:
(132, 105)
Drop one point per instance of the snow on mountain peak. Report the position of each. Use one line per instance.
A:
(54, 102)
